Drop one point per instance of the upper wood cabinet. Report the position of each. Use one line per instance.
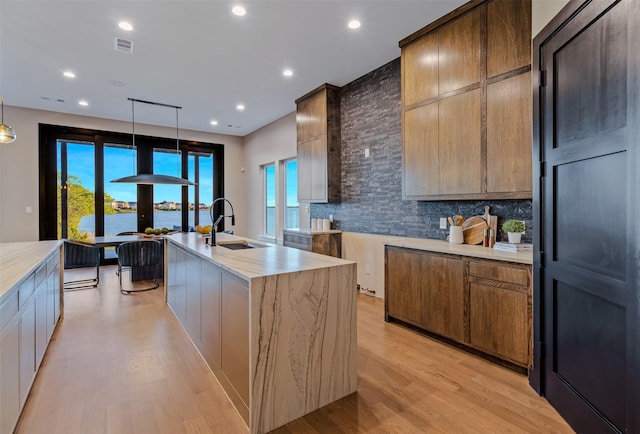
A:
(508, 36)
(466, 104)
(318, 138)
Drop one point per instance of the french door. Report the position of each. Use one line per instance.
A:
(587, 202)
(78, 201)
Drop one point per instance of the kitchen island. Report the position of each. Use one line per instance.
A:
(276, 325)
(30, 306)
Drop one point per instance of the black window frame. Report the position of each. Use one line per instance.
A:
(145, 145)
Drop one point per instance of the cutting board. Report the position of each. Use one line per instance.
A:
(473, 230)
(492, 220)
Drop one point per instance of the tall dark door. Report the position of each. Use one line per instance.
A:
(587, 253)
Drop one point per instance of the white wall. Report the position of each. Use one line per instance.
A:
(19, 165)
(542, 11)
(271, 143)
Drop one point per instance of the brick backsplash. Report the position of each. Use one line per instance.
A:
(372, 187)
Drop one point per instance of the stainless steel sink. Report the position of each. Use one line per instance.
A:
(240, 245)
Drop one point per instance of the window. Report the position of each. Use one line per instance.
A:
(78, 199)
(291, 207)
(270, 199)
(281, 209)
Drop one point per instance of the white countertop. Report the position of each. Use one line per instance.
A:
(476, 251)
(19, 259)
(257, 262)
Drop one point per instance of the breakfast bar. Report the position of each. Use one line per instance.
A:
(276, 325)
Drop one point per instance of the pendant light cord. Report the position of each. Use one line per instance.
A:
(178, 145)
(133, 134)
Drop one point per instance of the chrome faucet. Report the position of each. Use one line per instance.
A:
(217, 221)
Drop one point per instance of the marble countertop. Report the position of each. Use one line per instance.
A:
(476, 251)
(18, 259)
(257, 262)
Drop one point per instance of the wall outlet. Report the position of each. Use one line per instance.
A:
(366, 153)
(443, 222)
(28, 210)
(367, 269)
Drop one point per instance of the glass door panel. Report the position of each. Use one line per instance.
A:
(76, 187)
(201, 195)
(120, 200)
(292, 209)
(167, 199)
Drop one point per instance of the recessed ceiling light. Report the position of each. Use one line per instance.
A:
(354, 24)
(125, 25)
(239, 10)
(287, 73)
(83, 103)
(69, 74)
(214, 122)
(240, 107)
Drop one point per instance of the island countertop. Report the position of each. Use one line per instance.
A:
(18, 259)
(256, 262)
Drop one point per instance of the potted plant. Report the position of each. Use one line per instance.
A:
(514, 230)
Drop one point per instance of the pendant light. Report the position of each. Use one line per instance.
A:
(7, 134)
(152, 178)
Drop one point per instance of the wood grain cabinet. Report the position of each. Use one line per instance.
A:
(500, 310)
(481, 304)
(318, 140)
(329, 243)
(466, 104)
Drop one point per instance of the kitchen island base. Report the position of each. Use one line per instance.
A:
(277, 326)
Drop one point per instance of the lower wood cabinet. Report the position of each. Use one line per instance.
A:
(482, 304)
(324, 243)
(10, 376)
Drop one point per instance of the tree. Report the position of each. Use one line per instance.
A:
(80, 203)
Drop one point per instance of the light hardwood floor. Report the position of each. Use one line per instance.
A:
(122, 364)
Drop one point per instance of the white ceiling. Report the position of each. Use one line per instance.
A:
(196, 54)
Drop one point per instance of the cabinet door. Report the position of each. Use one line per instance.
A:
(421, 151)
(50, 307)
(508, 36)
(443, 296)
(509, 135)
(27, 347)
(171, 276)
(235, 333)
(304, 171)
(319, 169)
(10, 375)
(459, 150)
(311, 115)
(193, 296)
(180, 305)
(420, 70)
(211, 295)
(404, 285)
(460, 62)
(41, 321)
(499, 322)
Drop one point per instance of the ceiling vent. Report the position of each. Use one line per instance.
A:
(123, 45)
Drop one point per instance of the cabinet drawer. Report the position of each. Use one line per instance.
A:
(8, 309)
(52, 263)
(302, 242)
(26, 289)
(41, 275)
(500, 272)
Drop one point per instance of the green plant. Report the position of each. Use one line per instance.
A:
(516, 226)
